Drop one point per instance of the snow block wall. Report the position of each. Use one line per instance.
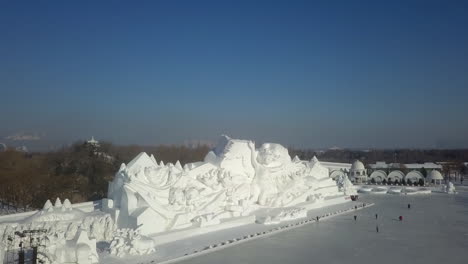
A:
(234, 180)
(65, 234)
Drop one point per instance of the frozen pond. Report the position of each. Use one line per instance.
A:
(434, 230)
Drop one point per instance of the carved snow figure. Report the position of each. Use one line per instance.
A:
(264, 187)
(233, 180)
(450, 188)
(80, 249)
(345, 185)
(129, 242)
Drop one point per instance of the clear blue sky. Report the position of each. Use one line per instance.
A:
(302, 73)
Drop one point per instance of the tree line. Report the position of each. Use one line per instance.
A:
(80, 172)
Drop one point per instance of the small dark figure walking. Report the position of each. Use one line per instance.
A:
(376, 215)
(355, 207)
(355, 217)
(317, 218)
(401, 218)
(377, 228)
(409, 206)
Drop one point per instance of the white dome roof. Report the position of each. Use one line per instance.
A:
(434, 175)
(357, 165)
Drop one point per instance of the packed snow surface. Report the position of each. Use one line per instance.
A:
(434, 230)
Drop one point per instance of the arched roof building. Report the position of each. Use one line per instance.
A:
(435, 177)
(334, 174)
(378, 176)
(396, 175)
(414, 176)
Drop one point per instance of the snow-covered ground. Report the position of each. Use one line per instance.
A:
(434, 230)
(225, 238)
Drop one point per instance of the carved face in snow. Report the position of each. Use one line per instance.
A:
(176, 196)
(191, 195)
(273, 155)
(209, 179)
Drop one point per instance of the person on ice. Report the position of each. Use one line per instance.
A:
(376, 215)
(377, 228)
(401, 218)
(355, 217)
(409, 206)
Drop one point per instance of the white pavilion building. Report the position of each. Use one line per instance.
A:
(358, 172)
(435, 176)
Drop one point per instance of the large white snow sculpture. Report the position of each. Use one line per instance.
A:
(233, 180)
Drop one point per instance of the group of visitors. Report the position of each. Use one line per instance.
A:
(400, 218)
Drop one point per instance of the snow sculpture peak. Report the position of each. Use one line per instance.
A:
(67, 204)
(58, 203)
(296, 159)
(314, 160)
(178, 165)
(140, 161)
(47, 205)
(154, 159)
(233, 155)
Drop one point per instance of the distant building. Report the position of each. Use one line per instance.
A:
(358, 172)
(336, 165)
(435, 177)
(381, 165)
(425, 165)
(381, 171)
(336, 168)
(93, 142)
(410, 172)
